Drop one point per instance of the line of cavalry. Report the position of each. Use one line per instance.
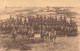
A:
(47, 29)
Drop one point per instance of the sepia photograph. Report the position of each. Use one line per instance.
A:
(39, 25)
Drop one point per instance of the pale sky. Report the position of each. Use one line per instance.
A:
(38, 3)
(28, 3)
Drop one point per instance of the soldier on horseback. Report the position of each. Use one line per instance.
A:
(14, 34)
(54, 36)
(51, 36)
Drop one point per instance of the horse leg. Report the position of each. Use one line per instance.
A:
(54, 40)
(22, 36)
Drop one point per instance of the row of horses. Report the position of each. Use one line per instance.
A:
(46, 36)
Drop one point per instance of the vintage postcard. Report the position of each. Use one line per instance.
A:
(39, 25)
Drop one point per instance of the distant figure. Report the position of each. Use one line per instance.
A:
(14, 34)
(46, 35)
(54, 36)
(30, 34)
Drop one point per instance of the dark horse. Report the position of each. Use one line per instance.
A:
(49, 36)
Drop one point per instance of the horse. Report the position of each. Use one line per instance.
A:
(50, 36)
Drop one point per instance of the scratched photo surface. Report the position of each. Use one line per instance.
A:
(39, 25)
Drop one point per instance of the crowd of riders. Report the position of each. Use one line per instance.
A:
(32, 25)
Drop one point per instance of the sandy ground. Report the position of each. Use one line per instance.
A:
(62, 44)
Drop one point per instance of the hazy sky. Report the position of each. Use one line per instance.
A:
(38, 3)
(42, 3)
(73, 3)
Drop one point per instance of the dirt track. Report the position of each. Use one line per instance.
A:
(62, 44)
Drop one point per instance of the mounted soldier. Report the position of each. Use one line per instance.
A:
(14, 34)
(30, 34)
(52, 35)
